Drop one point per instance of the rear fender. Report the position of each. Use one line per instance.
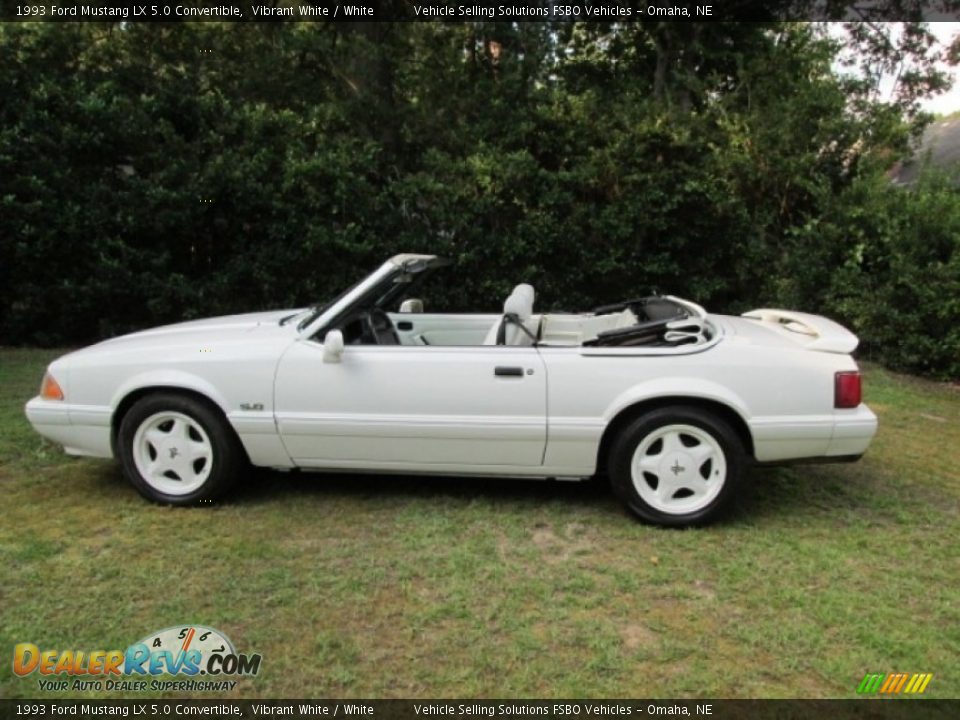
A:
(675, 387)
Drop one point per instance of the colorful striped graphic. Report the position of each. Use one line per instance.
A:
(894, 683)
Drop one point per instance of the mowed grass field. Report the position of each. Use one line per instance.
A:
(362, 586)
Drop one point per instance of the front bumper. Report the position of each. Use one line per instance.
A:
(81, 430)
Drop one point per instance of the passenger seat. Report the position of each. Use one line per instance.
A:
(505, 331)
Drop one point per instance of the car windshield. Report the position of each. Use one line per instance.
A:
(378, 292)
(315, 311)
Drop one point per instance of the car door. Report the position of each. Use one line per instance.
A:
(412, 408)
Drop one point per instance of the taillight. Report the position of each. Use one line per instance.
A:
(847, 390)
(50, 389)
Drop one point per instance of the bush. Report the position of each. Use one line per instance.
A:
(898, 280)
(144, 183)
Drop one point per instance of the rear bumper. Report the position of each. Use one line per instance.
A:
(828, 438)
(81, 430)
(852, 432)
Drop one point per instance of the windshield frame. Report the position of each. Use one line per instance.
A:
(376, 285)
(315, 311)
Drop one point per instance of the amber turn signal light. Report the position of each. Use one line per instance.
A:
(50, 389)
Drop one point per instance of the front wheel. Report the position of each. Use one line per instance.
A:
(176, 450)
(677, 466)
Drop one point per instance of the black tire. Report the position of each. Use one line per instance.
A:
(676, 508)
(204, 426)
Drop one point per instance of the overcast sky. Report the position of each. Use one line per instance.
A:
(943, 104)
(950, 101)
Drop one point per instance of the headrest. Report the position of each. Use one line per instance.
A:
(520, 302)
(524, 290)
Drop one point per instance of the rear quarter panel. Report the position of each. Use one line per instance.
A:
(784, 395)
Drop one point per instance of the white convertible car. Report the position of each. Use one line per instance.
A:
(670, 401)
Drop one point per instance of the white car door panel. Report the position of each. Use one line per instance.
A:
(411, 406)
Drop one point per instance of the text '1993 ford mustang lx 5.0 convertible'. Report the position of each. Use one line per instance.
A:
(670, 401)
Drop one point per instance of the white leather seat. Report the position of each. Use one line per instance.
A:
(520, 305)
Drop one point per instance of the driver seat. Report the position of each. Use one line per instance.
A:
(517, 308)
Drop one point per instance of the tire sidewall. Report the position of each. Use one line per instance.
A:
(624, 447)
(224, 463)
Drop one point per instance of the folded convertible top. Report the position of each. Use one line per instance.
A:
(664, 321)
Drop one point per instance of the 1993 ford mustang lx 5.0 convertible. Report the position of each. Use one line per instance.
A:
(670, 401)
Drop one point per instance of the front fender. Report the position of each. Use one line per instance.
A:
(178, 379)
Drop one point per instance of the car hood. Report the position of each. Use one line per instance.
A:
(198, 333)
(232, 323)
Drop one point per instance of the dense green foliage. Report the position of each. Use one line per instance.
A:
(898, 275)
(149, 174)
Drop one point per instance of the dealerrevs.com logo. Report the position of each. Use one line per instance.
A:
(200, 658)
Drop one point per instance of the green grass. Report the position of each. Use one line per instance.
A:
(400, 587)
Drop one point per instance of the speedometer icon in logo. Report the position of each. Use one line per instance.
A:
(188, 650)
(183, 638)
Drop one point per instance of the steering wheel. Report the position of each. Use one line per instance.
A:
(380, 327)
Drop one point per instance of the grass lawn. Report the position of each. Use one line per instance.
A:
(417, 587)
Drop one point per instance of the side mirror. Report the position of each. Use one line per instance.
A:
(411, 305)
(333, 346)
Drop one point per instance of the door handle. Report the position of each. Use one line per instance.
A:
(405, 325)
(501, 371)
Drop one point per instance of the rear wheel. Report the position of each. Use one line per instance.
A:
(174, 449)
(677, 466)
